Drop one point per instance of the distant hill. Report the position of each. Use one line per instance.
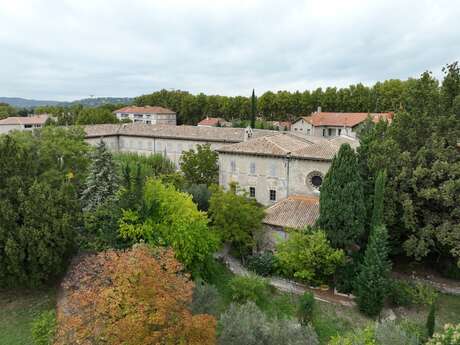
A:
(88, 102)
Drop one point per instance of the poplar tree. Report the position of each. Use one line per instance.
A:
(102, 181)
(253, 109)
(371, 285)
(378, 205)
(342, 206)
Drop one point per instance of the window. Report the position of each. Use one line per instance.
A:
(252, 192)
(308, 131)
(324, 132)
(252, 168)
(27, 126)
(233, 166)
(329, 131)
(315, 179)
(340, 131)
(272, 195)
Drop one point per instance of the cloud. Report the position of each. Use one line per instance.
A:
(70, 49)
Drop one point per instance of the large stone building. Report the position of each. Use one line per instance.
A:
(170, 141)
(271, 168)
(147, 115)
(328, 124)
(22, 123)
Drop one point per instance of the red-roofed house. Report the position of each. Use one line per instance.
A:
(214, 122)
(22, 123)
(329, 124)
(147, 115)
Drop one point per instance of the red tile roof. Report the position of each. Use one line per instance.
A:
(210, 121)
(25, 120)
(344, 119)
(144, 110)
(295, 211)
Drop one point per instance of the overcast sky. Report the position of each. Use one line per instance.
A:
(65, 50)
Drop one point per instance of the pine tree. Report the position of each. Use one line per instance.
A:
(253, 109)
(102, 181)
(342, 206)
(371, 285)
(379, 193)
(430, 321)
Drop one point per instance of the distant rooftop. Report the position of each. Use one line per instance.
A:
(216, 134)
(144, 110)
(294, 212)
(25, 120)
(344, 119)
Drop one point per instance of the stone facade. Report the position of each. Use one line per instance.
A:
(265, 174)
(147, 115)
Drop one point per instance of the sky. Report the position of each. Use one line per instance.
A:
(66, 50)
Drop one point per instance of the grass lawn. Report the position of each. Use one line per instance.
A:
(18, 309)
(330, 319)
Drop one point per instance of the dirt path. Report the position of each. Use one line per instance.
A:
(285, 285)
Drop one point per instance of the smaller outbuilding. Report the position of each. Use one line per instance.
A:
(294, 212)
(214, 122)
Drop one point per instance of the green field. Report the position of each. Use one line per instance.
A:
(17, 310)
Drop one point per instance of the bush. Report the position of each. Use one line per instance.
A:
(305, 308)
(246, 324)
(206, 299)
(44, 327)
(401, 293)
(263, 264)
(252, 288)
(450, 335)
(389, 332)
(200, 194)
(346, 274)
(309, 257)
(364, 336)
(424, 294)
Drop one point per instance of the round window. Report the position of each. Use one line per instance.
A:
(315, 179)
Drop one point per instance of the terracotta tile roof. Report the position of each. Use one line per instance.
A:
(344, 119)
(293, 212)
(144, 110)
(290, 144)
(25, 120)
(216, 134)
(212, 121)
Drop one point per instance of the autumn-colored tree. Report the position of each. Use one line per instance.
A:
(139, 296)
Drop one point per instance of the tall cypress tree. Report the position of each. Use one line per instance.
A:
(253, 110)
(379, 193)
(371, 285)
(342, 206)
(102, 181)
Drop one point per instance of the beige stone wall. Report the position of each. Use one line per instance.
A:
(172, 148)
(302, 127)
(7, 128)
(270, 173)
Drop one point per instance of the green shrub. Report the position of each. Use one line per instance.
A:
(43, 328)
(305, 308)
(246, 324)
(308, 256)
(424, 294)
(206, 299)
(450, 335)
(391, 333)
(364, 336)
(200, 194)
(401, 293)
(263, 264)
(252, 288)
(346, 274)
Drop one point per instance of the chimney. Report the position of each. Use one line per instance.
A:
(319, 109)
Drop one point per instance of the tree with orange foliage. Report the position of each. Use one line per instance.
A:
(135, 297)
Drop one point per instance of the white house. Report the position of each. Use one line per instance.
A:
(22, 123)
(147, 115)
(329, 124)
